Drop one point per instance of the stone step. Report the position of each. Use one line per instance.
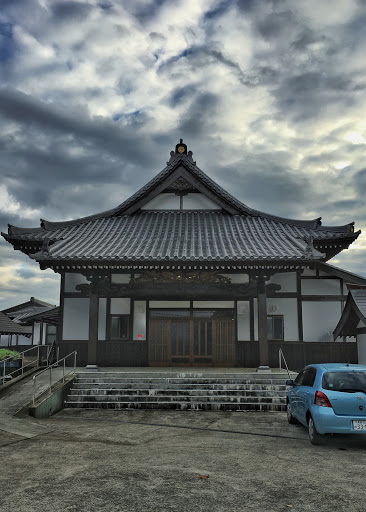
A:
(184, 375)
(176, 380)
(180, 386)
(169, 398)
(188, 406)
(176, 392)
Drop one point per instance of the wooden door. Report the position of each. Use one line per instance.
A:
(196, 338)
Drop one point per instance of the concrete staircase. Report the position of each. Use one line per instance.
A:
(183, 391)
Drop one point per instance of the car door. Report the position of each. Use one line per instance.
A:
(294, 393)
(305, 393)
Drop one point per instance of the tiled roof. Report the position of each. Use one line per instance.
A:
(185, 235)
(7, 326)
(49, 315)
(234, 233)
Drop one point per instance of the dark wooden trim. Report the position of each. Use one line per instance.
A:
(132, 316)
(251, 318)
(299, 307)
(60, 328)
(262, 323)
(75, 295)
(361, 330)
(318, 277)
(93, 327)
(324, 298)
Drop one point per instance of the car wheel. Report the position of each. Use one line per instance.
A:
(314, 436)
(290, 418)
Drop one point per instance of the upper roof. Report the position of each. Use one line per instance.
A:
(234, 232)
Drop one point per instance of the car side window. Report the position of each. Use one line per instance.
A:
(309, 377)
(299, 378)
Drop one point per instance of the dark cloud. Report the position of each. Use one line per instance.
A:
(146, 11)
(218, 10)
(275, 24)
(182, 94)
(196, 121)
(66, 11)
(262, 184)
(28, 111)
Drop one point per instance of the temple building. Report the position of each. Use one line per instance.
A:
(184, 274)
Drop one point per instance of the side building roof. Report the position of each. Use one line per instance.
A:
(8, 326)
(354, 312)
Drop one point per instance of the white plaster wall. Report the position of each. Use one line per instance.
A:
(102, 319)
(199, 202)
(139, 320)
(4, 340)
(238, 278)
(163, 202)
(319, 320)
(36, 333)
(286, 280)
(243, 319)
(120, 306)
(214, 304)
(44, 334)
(72, 279)
(120, 278)
(169, 304)
(76, 319)
(287, 308)
(361, 348)
(320, 287)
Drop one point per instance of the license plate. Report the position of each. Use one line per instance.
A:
(359, 424)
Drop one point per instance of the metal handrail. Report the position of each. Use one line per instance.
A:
(23, 366)
(49, 368)
(281, 354)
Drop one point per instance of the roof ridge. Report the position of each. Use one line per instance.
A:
(185, 159)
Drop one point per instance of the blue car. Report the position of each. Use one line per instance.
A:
(328, 399)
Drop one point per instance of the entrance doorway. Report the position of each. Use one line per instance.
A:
(192, 337)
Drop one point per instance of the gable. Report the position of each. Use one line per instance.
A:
(181, 201)
(181, 190)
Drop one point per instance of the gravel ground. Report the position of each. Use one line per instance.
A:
(179, 461)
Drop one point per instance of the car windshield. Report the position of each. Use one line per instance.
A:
(348, 382)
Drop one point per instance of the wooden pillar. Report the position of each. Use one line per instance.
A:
(93, 324)
(262, 325)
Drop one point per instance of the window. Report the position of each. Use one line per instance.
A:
(275, 327)
(309, 378)
(50, 334)
(119, 327)
(299, 379)
(306, 377)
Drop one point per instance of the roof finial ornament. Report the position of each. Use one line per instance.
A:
(181, 148)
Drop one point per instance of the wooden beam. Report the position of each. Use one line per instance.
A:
(262, 323)
(93, 326)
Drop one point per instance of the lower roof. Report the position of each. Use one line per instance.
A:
(163, 236)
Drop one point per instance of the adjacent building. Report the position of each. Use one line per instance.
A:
(182, 273)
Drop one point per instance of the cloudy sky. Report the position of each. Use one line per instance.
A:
(269, 95)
